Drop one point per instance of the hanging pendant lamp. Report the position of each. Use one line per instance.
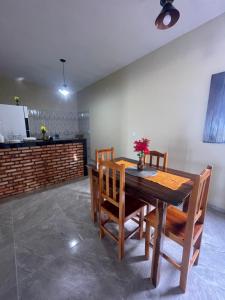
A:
(168, 16)
(64, 89)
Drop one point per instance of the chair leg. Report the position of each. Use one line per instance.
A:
(185, 205)
(185, 267)
(197, 246)
(147, 240)
(101, 231)
(183, 278)
(93, 213)
(148, 208)
(97, 206)
(93, 200)
(121, 241)
(141, 221)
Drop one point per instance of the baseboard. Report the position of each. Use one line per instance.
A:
(216, 208)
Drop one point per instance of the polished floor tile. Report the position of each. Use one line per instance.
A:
(6, 226)
(7, 269)
(9, 294)
(50, 249)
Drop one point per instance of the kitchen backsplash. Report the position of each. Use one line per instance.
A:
(84, 129)
(59, 123)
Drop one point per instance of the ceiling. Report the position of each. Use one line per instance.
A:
(97, 37)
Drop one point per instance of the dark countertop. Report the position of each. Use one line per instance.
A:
(39, 143)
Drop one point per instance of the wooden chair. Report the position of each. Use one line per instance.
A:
(94, 189)
(100, 155)
(104, 154)
(157, 159)
(184, 228)
(118, 207)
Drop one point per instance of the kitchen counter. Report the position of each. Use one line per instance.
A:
(30, 165)
(39, 143)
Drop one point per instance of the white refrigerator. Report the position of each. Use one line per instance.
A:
(13, 121)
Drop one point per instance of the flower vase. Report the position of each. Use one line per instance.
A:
(44, 136)
(140, 164)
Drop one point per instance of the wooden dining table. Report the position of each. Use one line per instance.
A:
(154, 194)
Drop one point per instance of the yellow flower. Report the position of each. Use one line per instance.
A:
(16, 99)
(43, 128)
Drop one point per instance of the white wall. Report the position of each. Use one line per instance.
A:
(164, 96)
(44, 100)
(34, 96)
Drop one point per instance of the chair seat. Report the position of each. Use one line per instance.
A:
(132, 205)
(175, 224)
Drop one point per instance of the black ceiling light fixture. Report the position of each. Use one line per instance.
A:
(63, 90)
(168, 16)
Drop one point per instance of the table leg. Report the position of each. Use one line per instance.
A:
(93, 196)
(158, 242)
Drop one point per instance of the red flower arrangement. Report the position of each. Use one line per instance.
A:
(142, 146)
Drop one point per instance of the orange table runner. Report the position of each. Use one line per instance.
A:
(126, 163)
(168, 180)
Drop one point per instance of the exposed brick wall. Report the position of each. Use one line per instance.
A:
(27, 169)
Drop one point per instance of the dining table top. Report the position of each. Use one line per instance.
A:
(147, 189)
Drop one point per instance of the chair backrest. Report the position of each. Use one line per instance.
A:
(200, 193)
(198, 200)
(104, 155)
(157, 159)
(112, 184)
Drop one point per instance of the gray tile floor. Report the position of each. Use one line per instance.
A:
(49, 249)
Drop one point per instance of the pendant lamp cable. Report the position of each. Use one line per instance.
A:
(64, 75)
(63, 70)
